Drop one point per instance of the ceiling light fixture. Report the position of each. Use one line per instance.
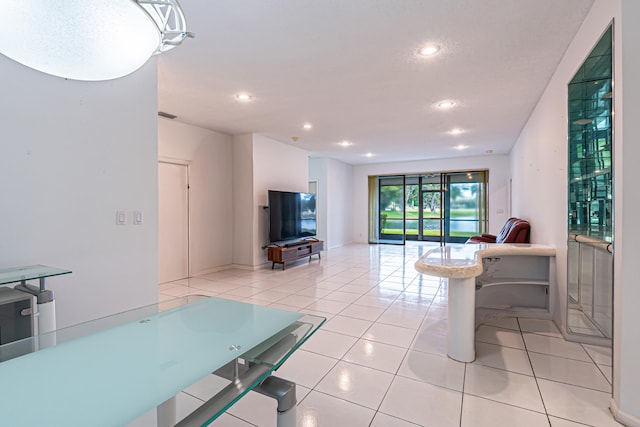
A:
(307, 126)
(369, 155)
(244, 97)
(345, 143)
(89, 40)
(429, 50)
(445, 105)
(460, 147)
(456, 131)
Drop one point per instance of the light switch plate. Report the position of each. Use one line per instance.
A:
(138, 217)
(121, 217)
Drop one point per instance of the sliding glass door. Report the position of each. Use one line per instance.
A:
(431, 221)
(391, 212)
(465, 205)
(438, 207)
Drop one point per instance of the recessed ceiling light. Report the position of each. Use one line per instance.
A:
(369, 155)
(445, 105)
(456, 131)
(429, 50)
(307, 126)
(460, 147)
(244, 97)
(345, 143)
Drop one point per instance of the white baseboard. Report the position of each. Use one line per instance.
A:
(212, 270)
(622, 417)
(231, 266)
(250, 267)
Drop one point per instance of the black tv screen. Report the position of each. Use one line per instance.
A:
(291, 216)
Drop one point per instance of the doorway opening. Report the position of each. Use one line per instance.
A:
(173, 220)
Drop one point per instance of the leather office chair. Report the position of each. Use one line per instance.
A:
(515, 230)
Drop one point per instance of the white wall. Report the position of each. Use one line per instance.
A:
(335, 183)
(242, 186)
(627, 227)
(318, 172)
(261, 164)
(210, 190)
(339, 182)
(276, 166)
(498, 166)
(72, 154)
(539, 162)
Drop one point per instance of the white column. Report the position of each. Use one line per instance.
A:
(461, 319)
(287, 418)
(46, 317)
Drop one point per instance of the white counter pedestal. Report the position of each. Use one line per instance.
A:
(461, 321)
(462, 265)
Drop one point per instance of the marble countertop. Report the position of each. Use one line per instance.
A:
(465, 261)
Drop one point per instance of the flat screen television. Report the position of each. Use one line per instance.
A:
(292, 216)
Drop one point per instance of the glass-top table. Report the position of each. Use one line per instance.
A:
(30, 272)
(112, 370)
(46, 308)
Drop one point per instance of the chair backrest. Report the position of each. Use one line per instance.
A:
(505, 229)
(517, 233)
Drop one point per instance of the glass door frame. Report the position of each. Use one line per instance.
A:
(381, 237)
(421, 236)
(445, 180)
(481, 217)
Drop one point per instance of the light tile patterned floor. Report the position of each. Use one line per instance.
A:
(380, 360)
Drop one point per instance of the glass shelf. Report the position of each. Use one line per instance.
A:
(30, 272)
(590, 151)
(112, 370)
(591, 193)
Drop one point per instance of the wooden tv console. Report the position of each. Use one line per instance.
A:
(284, 254)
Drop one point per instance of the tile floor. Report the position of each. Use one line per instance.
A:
(380, 359)
(579, 323)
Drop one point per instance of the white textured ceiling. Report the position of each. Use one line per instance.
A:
(350, 68)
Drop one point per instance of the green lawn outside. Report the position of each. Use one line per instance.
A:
(425, 233)
(392, 224)
(413, 214)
